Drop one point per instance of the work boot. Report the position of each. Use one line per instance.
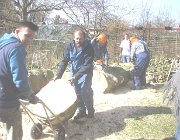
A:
(80, 115)
(90, 114)
(135, 88)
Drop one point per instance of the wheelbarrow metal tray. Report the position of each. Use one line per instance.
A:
(60, 98)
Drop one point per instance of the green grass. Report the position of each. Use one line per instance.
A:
(148, 126)
(156, 126)
(153, 121)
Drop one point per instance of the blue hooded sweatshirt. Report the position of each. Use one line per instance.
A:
(13, 73)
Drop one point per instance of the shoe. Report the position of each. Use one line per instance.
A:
(136, 88)
(80, 115)
(90, 114)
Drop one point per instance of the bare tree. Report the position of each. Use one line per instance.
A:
(25, 8)
(89, 13)
(7, 17)
(163, 19)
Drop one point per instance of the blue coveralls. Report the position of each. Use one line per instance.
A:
(82, 68)
(141, 56)
(100, 51)
(143, 78)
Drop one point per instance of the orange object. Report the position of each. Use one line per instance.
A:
(102, 38)
(99, 62)
(133, 39)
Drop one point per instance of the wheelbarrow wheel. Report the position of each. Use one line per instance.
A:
(59, 133)
(36, 131)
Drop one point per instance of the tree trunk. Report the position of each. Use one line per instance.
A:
(109, 79)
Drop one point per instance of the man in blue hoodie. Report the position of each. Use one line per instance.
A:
(81, 54)
(13, 78)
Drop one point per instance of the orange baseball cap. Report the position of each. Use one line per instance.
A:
(132, 39)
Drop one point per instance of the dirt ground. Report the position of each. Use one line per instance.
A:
(111, 111)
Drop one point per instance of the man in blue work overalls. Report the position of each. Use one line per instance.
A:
(81, 54)
(140, 58)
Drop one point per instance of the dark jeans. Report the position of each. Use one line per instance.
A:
(12, 123)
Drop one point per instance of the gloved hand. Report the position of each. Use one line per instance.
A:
(132, 67)
(33, 99)
(104, 67)
(55, 78)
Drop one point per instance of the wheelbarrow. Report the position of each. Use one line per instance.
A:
(51, 120)
(58, 103)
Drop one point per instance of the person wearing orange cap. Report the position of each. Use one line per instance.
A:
(100, 49)
(140, 58)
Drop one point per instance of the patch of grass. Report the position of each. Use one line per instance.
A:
(151, 127)
(153, 99)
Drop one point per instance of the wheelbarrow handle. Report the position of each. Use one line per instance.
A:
(26, 102)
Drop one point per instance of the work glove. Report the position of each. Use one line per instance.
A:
(72, 80)
(132, 67)
(33, 99)
(104, 66)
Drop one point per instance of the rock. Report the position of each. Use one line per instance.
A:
(39, 78)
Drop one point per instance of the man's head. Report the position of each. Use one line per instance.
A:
(126, 36)
(102, 38)
(25, 31)
(79, 37)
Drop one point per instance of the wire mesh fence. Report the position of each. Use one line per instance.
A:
(47, 48)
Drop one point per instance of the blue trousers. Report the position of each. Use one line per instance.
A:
(177, 135)
(125, 58)
(143, 77)
(141, 65)
(84, 93)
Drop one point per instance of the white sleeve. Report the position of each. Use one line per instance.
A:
(121, 45)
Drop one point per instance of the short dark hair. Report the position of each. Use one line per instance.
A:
(80, 30)
(28, 24)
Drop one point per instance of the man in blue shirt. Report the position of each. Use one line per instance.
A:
(13, 78)
(80, 53)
